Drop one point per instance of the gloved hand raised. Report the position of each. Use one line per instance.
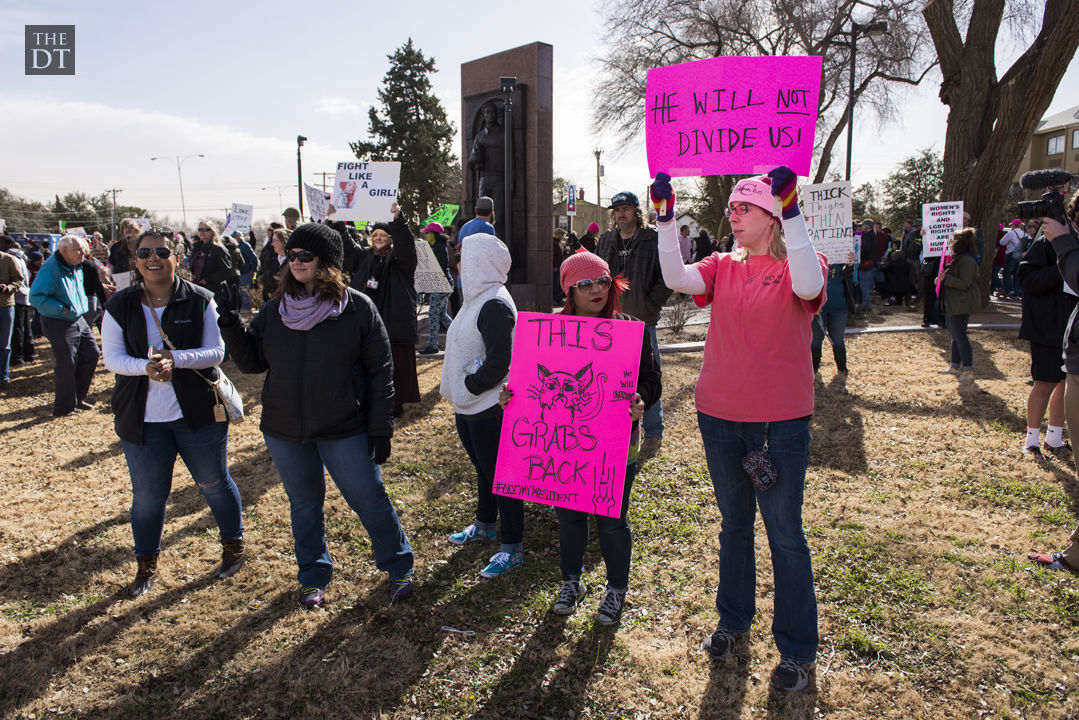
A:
(227, 315)
(785, 187)
(380, 448)
(662, 197)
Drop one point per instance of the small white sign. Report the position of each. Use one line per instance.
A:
(317, 202)
(940, 221)
(364, 191)
(429, 275)
(828, 215)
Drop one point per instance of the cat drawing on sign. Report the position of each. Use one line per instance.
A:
(567, 398)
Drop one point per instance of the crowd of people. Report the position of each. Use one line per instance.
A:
(329, 316)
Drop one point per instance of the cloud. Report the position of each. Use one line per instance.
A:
(336, 105)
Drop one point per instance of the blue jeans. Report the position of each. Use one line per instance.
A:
(245, 290)
(866, 279)
(995, 282)
(653, 416)
(962, 352)
(349, 463)
(7, 323)
(480, 440)
(150, 466)
(1011, 266)
(794, 624)
(437, 317)
(835, 323)
(615, 539)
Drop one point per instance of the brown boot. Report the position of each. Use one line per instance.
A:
(144, 577)
(233, 556)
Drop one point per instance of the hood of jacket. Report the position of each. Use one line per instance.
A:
(485, 262)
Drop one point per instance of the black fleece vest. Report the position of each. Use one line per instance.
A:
(182, 321)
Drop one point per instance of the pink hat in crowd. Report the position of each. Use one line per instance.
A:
(434, 227)
(757, 191)
(1017, 221)
(593, 228)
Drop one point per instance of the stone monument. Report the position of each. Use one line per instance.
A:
(507, 147)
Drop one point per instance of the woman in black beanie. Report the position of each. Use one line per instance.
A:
(386, 273)
(327, 402)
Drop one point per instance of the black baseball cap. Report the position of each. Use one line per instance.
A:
(624, 198)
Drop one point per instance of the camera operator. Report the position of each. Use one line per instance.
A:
(1061, 231)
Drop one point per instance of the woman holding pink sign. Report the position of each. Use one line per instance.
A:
(754, 401)
(591, 292)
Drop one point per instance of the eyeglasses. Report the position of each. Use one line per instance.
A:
(204, 229)
(736, 209)
(144, 252)
(586, 284)
(304, 256)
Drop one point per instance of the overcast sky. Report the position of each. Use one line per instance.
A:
(237, 81)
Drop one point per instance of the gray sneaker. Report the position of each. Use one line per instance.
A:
(610, 609)
(792, 676)
(569, 597)
(720, 643)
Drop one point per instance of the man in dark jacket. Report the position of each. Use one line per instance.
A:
(867, 269)
(632, 250)
(1046, 309)
(1065, 240)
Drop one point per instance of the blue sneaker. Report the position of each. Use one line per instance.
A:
(470, 534)
(501, 564)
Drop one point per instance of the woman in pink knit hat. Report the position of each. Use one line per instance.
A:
(592, 292)
(754, 401)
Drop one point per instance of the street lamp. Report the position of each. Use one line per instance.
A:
(855, 28)
(300, 140)
(179, 164)
(280, 203)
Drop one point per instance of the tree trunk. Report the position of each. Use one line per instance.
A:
(990, 121)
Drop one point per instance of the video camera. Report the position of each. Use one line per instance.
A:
(1052, 203)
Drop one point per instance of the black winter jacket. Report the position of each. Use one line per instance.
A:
(646, 293)
(1046, 307)
(182, 320)
(216, 268)
(330, 382)
(395, 296)
(1067, 249)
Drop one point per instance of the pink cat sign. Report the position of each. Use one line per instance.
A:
(732, 115)
(565, 434)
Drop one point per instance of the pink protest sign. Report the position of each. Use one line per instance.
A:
(565, 434)
(732, 115)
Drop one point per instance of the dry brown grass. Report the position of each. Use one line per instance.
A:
(919, 509)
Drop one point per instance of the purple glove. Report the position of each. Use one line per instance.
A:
(662, 197)
(785, 187)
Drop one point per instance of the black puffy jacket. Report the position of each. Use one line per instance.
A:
(1046, 307)
(395, 296)
(330, 382)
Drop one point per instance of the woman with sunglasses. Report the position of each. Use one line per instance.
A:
(754, 401)
(590, 291)
(327, 402)
(210, 262)
(160, 337)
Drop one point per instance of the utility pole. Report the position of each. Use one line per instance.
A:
(597, 153)
(324, 174)
(112, 221)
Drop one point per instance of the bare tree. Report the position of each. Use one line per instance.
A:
(991, 121)
(653, 33)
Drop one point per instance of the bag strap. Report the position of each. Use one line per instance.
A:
(157, 322)
(765, 448)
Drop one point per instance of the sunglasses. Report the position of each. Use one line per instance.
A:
(736, 209)
(304, 256)
(586, 285)
(204, 229)
(144, 252)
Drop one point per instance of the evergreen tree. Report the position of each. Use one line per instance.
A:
(914, 183)
(412, 128)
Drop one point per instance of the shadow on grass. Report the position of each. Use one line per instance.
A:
(728, 682)
(838, 434)
(29, 668)
(65, 567)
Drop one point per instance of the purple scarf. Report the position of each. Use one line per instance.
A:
(303, 313)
